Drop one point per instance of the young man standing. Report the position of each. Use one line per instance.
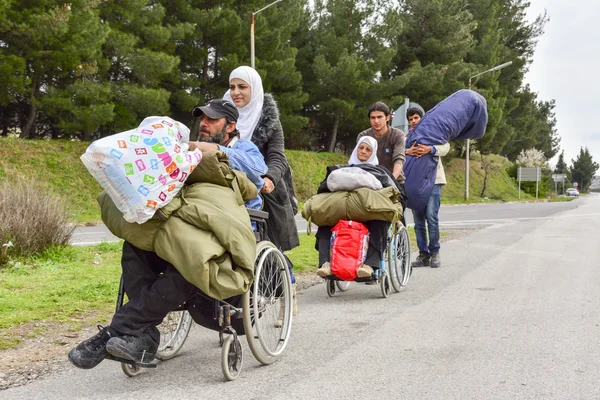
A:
(427, 224)
(390, 141)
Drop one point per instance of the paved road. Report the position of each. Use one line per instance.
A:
(461, 216)
(512, 314)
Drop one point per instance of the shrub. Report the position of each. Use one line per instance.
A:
(32, 218)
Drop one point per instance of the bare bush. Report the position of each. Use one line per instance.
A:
(32, 218)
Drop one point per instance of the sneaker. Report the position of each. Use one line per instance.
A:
(91, 352)
(139, 349)
(364, 271)
(423, 260)
(325, 270)
(436, 261)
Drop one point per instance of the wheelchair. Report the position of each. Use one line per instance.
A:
(263, 314)
(395, 267)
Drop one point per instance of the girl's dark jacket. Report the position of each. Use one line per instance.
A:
(280, 203)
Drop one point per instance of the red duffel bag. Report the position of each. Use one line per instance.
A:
(349, 244)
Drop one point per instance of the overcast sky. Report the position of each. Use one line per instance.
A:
(565, 67)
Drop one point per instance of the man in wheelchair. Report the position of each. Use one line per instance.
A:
(154, 286)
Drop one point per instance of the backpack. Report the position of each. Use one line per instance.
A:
(349, 244)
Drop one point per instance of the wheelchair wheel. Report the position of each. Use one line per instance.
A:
(342, 285)
(232, 357)
(398, 255)
(131, 370)
(174, 331)
(403, 255)
(268, 301)
(384, 281)
(330, 284)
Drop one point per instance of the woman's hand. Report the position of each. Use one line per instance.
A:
(268, 187)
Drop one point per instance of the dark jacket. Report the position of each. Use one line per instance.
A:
(281, 202)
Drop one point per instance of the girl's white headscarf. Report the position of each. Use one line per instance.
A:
(373, 144)
(251, 112)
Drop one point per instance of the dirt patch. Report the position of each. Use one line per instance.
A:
(42, 355)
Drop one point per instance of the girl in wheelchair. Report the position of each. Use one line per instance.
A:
(363, 171)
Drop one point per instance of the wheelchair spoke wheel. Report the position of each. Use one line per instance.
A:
(342, 285)
(232, 358)
(174, 331)
(267, 308)
(402, 258)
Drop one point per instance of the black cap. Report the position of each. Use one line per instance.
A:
(216, 109)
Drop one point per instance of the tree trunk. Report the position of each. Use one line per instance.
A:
(86, 136)
(5, 114)
(28, 131)
(333, 139)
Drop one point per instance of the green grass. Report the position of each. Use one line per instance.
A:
(500, 186)
(56, 164)
(62, 285)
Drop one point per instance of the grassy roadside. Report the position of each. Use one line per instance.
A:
(56, 163)
(76, 287)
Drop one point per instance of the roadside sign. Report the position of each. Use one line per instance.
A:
(529, 175)
(575, 184)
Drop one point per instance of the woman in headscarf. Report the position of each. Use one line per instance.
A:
(259, 123)
(365, 152)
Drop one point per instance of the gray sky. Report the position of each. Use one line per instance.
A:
(566, 67)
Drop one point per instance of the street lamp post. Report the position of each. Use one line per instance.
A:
(496, 68)
(252, 31)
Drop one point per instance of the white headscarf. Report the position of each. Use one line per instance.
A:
(250, 113)
(371, 142)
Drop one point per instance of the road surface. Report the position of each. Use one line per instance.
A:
(513, 313)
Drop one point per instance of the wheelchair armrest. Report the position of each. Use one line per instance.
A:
(257, 214)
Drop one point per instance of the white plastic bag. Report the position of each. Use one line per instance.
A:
(143, 169)
(351, 178)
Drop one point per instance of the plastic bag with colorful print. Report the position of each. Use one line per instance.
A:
(143, 169)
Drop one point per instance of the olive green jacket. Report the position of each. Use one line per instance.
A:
(205, 231)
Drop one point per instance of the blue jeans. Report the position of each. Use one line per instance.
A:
(433, 224)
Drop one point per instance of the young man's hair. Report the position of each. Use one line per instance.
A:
(379, 106)
(412, 111)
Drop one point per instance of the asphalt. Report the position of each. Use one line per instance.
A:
(512, 314)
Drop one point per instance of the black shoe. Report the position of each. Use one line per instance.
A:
(423, 260)
(436, 261)
(139, 349)
(91, 352)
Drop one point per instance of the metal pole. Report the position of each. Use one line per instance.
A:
(467, 162)
(519, 177)
(537, 182)
(252, 31)
(496, 68)
(252, 41)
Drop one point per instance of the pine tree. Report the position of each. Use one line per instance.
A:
(583, 169)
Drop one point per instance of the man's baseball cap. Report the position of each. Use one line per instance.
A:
(216, 109)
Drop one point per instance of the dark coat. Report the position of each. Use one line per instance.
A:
(280, 203)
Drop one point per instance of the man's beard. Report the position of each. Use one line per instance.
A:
(212, 139)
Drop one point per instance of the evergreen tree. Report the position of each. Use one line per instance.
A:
(583, 169)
